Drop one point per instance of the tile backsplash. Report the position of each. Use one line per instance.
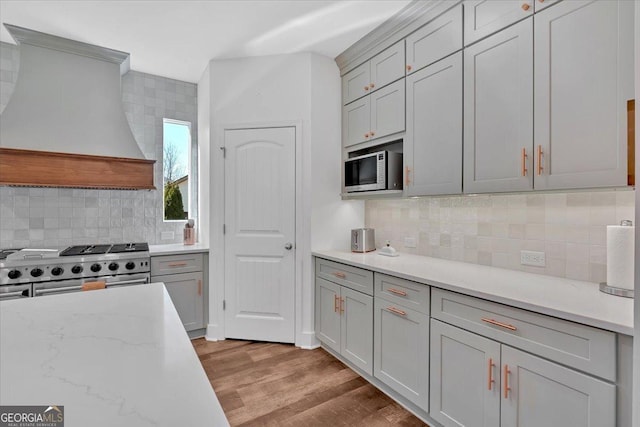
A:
(570, 228)
(52, 217)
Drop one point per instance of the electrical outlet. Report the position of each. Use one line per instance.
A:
(167, 235)
(533, 258)
(410, 242)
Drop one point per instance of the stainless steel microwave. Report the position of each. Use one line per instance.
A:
(374, 171)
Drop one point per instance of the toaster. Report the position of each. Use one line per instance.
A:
(363, 240)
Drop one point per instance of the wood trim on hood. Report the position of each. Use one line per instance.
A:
(50, 169)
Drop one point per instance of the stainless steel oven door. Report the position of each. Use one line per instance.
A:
(8, 292)
(75, 285)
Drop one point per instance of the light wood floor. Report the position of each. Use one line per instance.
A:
(267, 384)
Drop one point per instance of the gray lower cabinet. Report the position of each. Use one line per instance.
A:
(401, 350)
(478, 381)
(185, 289)
(344, 322)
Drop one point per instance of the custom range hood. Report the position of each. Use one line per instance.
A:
(64, 125)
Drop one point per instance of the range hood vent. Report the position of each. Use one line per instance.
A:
(67, 107)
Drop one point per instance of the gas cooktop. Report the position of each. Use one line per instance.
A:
(103, 249)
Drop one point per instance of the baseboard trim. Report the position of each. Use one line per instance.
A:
(214, 333)
(307, 341)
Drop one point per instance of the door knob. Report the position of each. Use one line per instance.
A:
(288, 246)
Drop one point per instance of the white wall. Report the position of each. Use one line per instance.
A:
(204, 154)
(301, 90)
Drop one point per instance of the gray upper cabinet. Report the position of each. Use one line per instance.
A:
(433, 142)
(543, 4)
(356, 122)
(375, 116)
(583, 79)
(381, 70)
(498, 111)
(537, 392)
(439, 38)
(485, 17)
(387, 111)
(387, 66)
(355, 84)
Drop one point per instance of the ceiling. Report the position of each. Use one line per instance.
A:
(176, 39)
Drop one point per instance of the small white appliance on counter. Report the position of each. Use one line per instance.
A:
(363, 240)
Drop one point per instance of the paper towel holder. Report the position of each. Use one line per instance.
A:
(620, 292)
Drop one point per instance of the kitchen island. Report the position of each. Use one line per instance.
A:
(114, 357)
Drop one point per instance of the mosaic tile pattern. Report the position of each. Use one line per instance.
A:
(51, 217)
(492, 229)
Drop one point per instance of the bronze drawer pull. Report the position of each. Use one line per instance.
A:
(177, 264)
(340, 275)
(396, 311)
(397, 292)
(502, 325)
(491, 380)
(506, 381)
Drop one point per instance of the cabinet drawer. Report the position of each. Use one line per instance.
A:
(355, 278)
(582, 347)
(412, 295)
(485, 17)
(434, 41)
(172, 264)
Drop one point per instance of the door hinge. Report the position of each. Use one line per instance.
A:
(224, 152)
(224, 304)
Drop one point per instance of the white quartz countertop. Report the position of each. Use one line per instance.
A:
(177, 249)
(114, 357)
(564, 298)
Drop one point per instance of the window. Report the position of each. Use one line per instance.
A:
(176, 168)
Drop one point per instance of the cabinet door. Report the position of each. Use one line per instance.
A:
(434, 41)
(387, 110)
(401, 351)
(355, 84)
(465, 378)
(542, 393)
(433, 143)
(328, 313)
(498, 111)
(583, 79)
(485, 17)
(543, 4)
(357, 329)
(186, 292)
(387, 66)
(356, 122)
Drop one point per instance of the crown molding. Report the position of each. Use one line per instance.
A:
(399, 26)
(23, 35)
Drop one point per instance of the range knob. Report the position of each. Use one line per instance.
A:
(56, 271)
(113, 266)
(96, 267)
(130, 265)
(14, 274)
(36, 272)
(77, 269)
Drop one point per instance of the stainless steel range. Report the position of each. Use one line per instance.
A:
(36, 272)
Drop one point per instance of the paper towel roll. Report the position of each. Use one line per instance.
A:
(620, 256)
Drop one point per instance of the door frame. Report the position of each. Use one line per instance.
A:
(216, 321)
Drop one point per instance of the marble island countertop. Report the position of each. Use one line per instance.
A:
(567, 299)
(114, 357)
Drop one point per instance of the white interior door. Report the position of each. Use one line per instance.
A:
(260, 234)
